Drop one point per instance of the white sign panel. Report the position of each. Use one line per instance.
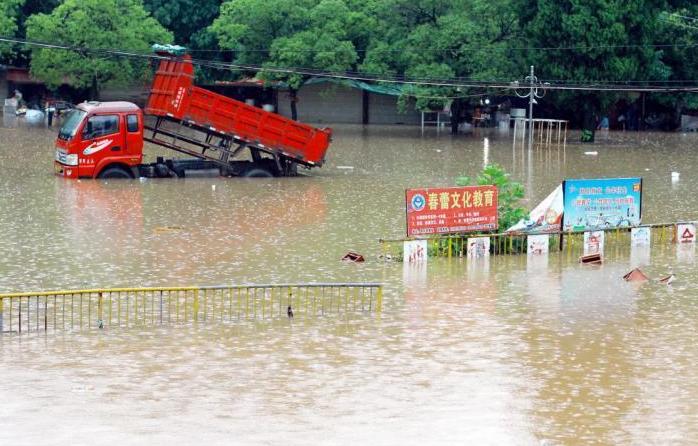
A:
(414, 251)
(686, 233)
(593, 242)
(640, 236)
(478, 247)
(538, 244)
(640, 255)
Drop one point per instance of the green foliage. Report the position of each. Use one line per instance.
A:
(681, 59)
(509, 193)
(572, 40)
(9, 10)
(187, 19)
(324, 35)
(619, 48)
(120, 24)
(440, 39)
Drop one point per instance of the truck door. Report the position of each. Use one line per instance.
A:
(100, 139)
(134, 137)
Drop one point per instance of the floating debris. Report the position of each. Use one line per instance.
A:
(591, 259)
(345, 167)
(353, 257)
(289, 312)
(592, 153)
(668, 280)
(636, 275)
(167, 229)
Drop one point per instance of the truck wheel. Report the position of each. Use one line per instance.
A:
(258, 173)
(114, 173)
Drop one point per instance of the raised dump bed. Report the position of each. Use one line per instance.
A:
(175, 98)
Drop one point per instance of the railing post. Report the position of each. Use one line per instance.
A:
(196, 305)
(100, 303)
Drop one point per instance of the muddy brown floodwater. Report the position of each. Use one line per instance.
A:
(504, 352)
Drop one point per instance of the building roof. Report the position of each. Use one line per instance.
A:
(107, 107)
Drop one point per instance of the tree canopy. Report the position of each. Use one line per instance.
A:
(621, 41)
(187, 19)
(322, 35)
(441, 39)
(122, 24)
(9, 10)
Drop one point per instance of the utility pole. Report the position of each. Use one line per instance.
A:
(531, 100)
(534, 85)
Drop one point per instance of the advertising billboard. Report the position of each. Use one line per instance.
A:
(602, 203)
(449, 210)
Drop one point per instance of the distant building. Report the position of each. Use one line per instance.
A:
(324, 102)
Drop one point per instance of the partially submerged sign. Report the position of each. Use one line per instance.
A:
(593, 242)
(546, 217)
(641, 236)
(478, 247)
(415, 251)
(686, 233)
(538, 244)
(602, 203)
(451, 210)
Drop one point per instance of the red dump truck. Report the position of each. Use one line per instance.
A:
(105, 139)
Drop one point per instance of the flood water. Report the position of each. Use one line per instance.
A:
(509, 351)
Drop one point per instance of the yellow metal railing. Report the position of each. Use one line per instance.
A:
(128, 307)
(571, 243)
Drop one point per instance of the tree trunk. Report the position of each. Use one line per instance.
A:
(94, 89)
(455, 115)
(588, 120)
(293, 93)
(678, 111)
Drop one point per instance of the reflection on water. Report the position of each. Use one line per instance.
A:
(506, 350)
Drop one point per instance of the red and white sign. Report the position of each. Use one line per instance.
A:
(594, 242)
(686, 233)
(451, 210)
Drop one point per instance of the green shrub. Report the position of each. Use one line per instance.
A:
(509, 194)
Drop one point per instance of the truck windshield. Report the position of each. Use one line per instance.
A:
(71, 123)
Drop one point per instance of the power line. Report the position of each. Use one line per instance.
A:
(466, 47)
(423, 82)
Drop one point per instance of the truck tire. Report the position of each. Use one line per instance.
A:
(114, 172)
(258, 172)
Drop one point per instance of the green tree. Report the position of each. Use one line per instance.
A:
(122, 24)
(9, 10)
(281, 34)
(509, 194)
(187, 19)
(593, 40)
(678, 28)
(422, 39)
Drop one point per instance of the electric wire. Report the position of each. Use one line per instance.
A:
(455, 83)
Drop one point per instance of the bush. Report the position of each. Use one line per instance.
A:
(508, 197)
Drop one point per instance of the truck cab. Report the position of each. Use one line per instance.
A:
(100, 140)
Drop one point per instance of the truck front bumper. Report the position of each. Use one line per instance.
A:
(65, 171)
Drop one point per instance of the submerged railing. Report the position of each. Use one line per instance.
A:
(569, 242)
(129, 307)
